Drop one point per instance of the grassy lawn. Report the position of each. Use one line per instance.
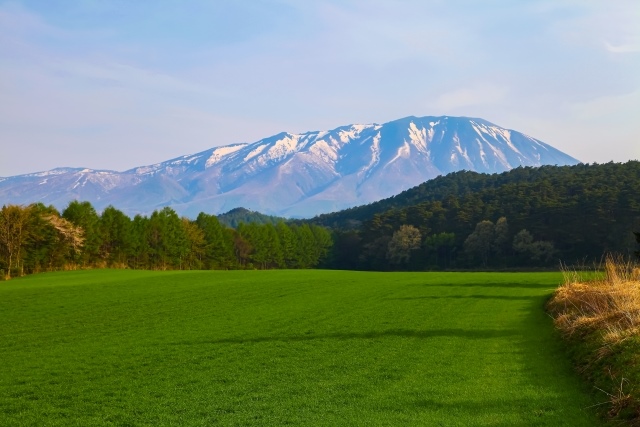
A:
(317, 348)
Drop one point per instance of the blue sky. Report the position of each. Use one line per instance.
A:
(117, 84)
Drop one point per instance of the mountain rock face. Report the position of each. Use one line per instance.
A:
(295, 175)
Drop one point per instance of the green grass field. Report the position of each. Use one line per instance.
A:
(316, 348)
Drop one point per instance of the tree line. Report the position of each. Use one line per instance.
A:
(38, 238)
(527, 217)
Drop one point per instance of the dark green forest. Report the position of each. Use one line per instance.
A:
(525, 218)
(238, 216)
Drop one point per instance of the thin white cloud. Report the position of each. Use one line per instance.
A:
(624, 48)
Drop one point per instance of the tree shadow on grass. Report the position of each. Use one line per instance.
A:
(532, 411)
(400, 333)
(498, 297)
(508, 285)
(547, 367)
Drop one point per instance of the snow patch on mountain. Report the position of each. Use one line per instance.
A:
(403, 152)
(283, 147)
(418, 138)
(375, 156)
(295, 174)
(322, 149)
(220, 153)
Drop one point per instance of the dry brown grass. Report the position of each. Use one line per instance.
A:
(602, 309)
(609, 302)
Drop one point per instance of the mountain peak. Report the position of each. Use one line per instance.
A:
(301, 174)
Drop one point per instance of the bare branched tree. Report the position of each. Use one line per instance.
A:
(13, 234)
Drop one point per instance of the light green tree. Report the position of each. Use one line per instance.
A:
(406, 239)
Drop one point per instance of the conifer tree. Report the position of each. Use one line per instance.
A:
(116, 237)
(83, 215)
(218, 250)
(287, 244)
(194, 256)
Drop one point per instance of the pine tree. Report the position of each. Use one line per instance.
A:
(140, 247)
(167, 240)
(196, 244)
(287, 244)
(116, 236)
(218, 250)
(83, 215)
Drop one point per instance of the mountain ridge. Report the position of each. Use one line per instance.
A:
(296, 174)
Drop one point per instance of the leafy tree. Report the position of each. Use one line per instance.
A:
(71, 236)
(83, 215)
(543, 251)
(13, 236)
(43, 250)
(501, 240)
(481, 241)
(116, 237)
(402, 243)
(524, 244)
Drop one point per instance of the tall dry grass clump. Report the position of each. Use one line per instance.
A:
(599, 313)
(607, 301)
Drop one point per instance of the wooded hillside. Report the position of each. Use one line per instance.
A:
(524, 217)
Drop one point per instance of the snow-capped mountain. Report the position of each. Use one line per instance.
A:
(296, 175)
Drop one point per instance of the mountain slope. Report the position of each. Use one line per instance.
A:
(296, 174)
